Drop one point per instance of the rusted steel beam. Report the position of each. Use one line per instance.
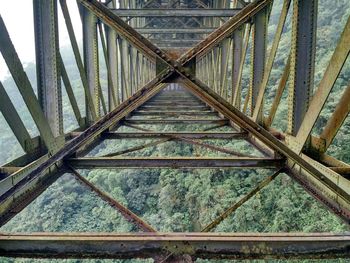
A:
(167, 103)
(47, 64)
(127, 214)
(137, 148)
(171, 107)
(302, 63)
(258, 55)
(194, 106)
(173, 113)
(197, 245)
(178, 100)
(189, 135)
(178, 95)
(175, 121)
(194, 30)
(236, 51)
(175, 97)
(174, 162)
(176, 12)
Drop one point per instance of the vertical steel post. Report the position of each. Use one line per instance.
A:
(47, 63)
(259, 34)
(90, 47)
(122, 43)
(223, 59)
(302, 61)
(138, 72)
(121, 69)
(112, 62)
(208, 71)
(126, 50)
(237, 48)
(130, 54)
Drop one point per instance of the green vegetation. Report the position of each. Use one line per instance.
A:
(186, 200)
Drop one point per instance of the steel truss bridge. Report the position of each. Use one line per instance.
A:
(168, 62)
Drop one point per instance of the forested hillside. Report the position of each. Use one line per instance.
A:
(187, 200)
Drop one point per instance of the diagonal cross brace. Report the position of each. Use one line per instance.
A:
(127, 214)
(181, 138)
(241, 201)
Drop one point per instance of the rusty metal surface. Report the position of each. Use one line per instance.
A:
(189, 135)
(174, 121)
(197, 245)
(175, 12)
(173, 162)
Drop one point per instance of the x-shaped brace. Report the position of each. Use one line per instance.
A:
(177, 68)
(153, 52)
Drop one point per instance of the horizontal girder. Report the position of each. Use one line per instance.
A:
(197, 245)
(173, 113)
(162, 12)
(174, 42)
(174, 162)
(175, 30)
(189, 135)
(175, 121)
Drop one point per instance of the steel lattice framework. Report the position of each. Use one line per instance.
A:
(168, 59)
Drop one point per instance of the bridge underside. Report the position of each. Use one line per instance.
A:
(168, 64)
